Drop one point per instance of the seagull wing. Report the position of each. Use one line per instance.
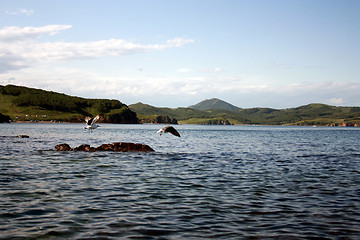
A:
(89, 120)
(171, 130)
(92, 121)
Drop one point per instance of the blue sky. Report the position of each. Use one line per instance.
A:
(259, 53)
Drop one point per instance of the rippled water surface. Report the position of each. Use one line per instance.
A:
(222, 182)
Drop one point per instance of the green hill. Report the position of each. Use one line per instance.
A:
(150, 114)
(187, 115)
(214, 103)
(25, 104)
(312, 114)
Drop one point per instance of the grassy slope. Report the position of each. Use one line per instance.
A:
(178, 113)
(312, 114)
(32, 112)
(111, 110)
(188, 115)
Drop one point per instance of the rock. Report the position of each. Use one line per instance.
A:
(113, 147)
(63, 147)
(84, 148)
(18, 136)
(4, 118)
(22, 136)
(129, 147)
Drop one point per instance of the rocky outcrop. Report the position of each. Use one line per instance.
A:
(351, 124)
(4, 118)
(158, 119)
(113, 147)
(345, 124)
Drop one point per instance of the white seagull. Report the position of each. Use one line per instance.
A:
(169, 129)
(90, 123)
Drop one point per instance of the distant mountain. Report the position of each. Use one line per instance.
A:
(212, 104)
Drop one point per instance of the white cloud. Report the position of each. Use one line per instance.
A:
(16, 34)
(336, 101)
(213, 70)
(20, 47)
(178, 42)
(25, 11)
(292, 95)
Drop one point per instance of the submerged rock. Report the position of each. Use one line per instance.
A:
(113, 147)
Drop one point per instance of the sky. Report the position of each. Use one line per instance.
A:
(255, 53)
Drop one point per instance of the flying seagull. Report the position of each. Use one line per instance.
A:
(169, 129)
(90, 123)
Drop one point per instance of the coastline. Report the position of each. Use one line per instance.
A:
(284, 125)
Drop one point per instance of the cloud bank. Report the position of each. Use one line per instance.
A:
(22, 48)
(172, 91)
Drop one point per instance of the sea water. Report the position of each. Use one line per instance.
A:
(221, 182)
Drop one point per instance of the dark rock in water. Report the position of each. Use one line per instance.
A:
(18, 136)
(22, 136)
(84, 148)
(114, 147)
(63, 147)
(125, 147)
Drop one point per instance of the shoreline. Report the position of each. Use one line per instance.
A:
(283, 125)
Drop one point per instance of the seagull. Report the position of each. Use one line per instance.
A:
(90, 123)
(169, 129)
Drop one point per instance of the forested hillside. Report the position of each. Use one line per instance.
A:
(23, 104)
(148, 113)
(312, 114)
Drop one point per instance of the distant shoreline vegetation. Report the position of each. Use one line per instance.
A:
(23, 104)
